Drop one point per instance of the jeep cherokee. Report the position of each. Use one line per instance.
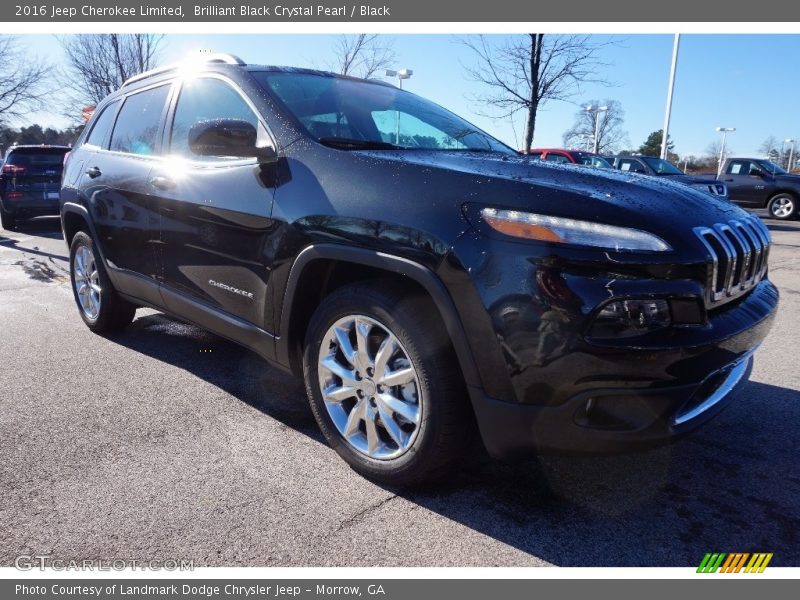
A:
(421, 276)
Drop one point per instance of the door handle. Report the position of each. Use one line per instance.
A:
(162, 183)
(94, 172)
(729, 180)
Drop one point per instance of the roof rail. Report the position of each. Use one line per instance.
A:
(228, 59)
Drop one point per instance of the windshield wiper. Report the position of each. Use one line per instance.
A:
(353, 144)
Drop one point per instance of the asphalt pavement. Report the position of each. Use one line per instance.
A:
(167, 442)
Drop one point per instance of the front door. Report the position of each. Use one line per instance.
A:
(745, 185)
(216, 223)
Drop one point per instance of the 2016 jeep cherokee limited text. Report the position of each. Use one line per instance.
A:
(420, 275)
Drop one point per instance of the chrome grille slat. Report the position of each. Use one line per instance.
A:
(757, 251)
(738, 252)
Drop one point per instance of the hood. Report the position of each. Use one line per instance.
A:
(663, 206)
(689, 179)
(788, 178)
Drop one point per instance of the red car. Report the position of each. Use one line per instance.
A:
(577, 157)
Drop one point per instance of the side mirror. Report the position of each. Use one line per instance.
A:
(758, 172)
(228, 138)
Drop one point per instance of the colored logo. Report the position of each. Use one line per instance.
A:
(734, 562)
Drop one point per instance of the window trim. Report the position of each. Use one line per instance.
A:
(210, 162)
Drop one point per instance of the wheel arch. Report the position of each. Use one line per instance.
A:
(75, 218)
(318, 265)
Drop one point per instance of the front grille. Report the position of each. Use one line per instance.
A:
(738, 252)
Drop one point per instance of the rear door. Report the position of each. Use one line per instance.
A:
(216, 225)
(115, 185)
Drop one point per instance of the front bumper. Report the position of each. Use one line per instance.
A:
(606, 421)
(548, 386)
(613, 409)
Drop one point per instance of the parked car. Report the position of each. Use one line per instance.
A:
(30, 183)
(658, 167)
(421, 279)
(760, 183)
(577, 157)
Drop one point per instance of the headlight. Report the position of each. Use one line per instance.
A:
(531, 226)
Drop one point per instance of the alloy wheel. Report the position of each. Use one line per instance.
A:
(87, 282)
(782, 207)
(370, 387)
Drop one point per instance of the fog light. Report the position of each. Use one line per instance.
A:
(628, 318)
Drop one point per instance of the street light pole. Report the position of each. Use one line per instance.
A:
(400, 74)
(724, 131)
(791, 154)
(670, 90)
(596, 111)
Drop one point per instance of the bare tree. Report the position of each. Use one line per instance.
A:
(770, 147)
(362, 55)
(528, 71)
(23, 80)
(98, 64)
(610, 135)
(713, 150)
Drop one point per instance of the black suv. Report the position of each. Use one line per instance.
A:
(420, 275)
(30, 182)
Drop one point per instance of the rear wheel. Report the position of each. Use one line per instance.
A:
(7, 220)
(99, 305)
(384, 386)
(782, 206)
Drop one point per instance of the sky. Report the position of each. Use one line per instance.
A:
(744, 81)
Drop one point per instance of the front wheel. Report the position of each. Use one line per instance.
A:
(99, 305)
(782, 206)
(384, 385)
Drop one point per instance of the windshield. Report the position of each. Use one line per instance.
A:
(660, 166)
(353, 114)
(591, 160)
(771, 167)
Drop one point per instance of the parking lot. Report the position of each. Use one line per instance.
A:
(166, 442)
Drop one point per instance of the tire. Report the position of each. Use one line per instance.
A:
(411, 423)
(99, 305)
(7, 220)
(782, 206)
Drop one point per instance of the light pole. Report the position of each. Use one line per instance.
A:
(724, 131)
(670, 89)
(791, 153)
(596, 110)
(400, 74)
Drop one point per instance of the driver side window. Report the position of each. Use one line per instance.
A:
(205, 99)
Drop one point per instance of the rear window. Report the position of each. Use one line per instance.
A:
(37, 157)
(102, 125)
